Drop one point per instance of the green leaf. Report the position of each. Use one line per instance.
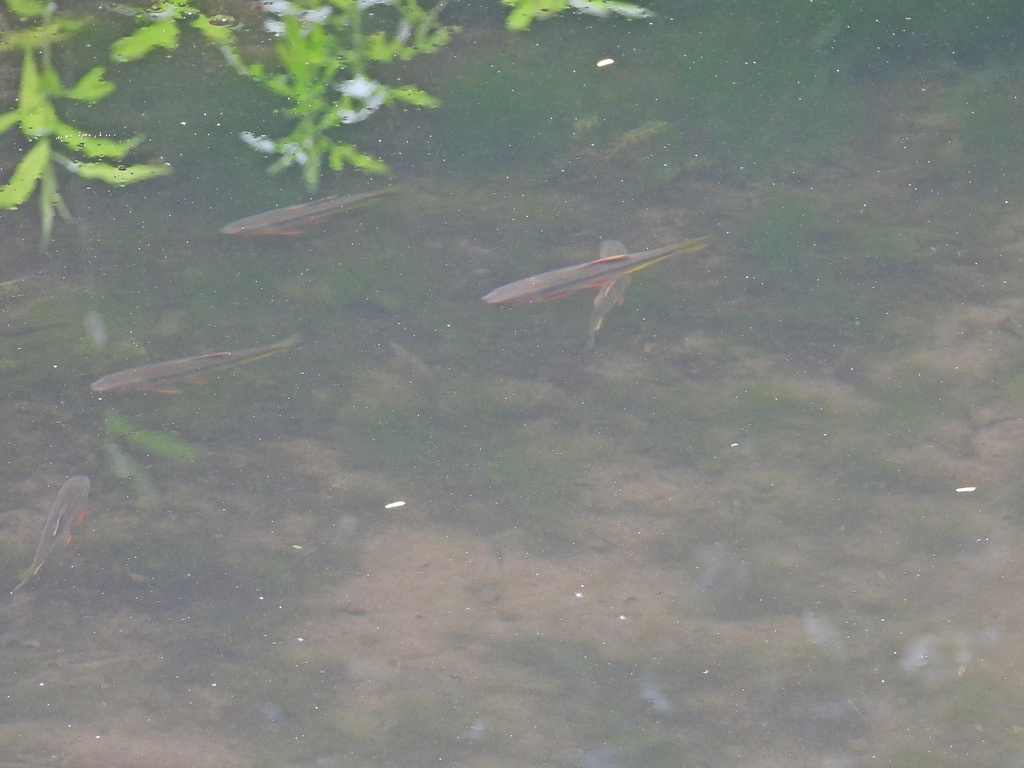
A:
(524, 12)
(218, 34)
(91, 88)
(23, 181)
(368, 163)
(413, 95)
(38, 36)
(346, 154)
(50, 204)
(164, 445)
(43, 121)
(9, 120)
(27, 9)
(161, 34)
(303, 55)
(38, 116)
(161, 445)
(117, 175)
(311, 171)
(94, 146)
(50, 79)
(382, 47)
(30, 91)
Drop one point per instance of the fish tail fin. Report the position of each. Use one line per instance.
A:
(270, 349)
(25, 576)
(291, 341)
(691, 245)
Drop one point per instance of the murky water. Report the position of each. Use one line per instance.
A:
(771, 519)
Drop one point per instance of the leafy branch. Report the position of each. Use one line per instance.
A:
(53, 141)
(324, 56)
(323, 70)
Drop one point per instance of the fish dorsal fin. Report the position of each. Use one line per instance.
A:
(611, 248)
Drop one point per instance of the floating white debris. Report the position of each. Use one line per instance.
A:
(967, 489)
(394, 504)
(605, 62)
(96, 328)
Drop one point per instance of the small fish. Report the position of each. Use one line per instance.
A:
(9, 331)
(612, 273)
(67, 513)
(291, 220)
(153, 377)
(11, 288)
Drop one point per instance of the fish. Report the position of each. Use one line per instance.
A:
(291, 220)
(10, 331)
(612, 273)
(11, 288)
(153, 377)
(67, 514)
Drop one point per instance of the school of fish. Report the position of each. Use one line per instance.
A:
(610, 273)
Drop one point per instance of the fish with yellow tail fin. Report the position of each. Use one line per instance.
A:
(67, 513)
(611, 273)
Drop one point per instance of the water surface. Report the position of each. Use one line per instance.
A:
(729, 535)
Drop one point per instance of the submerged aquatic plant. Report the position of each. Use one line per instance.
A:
(159, 444)
(323, 67)
(324, 55)
(128, 444)
(158, 28)
(525, 12)
(53, 141)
